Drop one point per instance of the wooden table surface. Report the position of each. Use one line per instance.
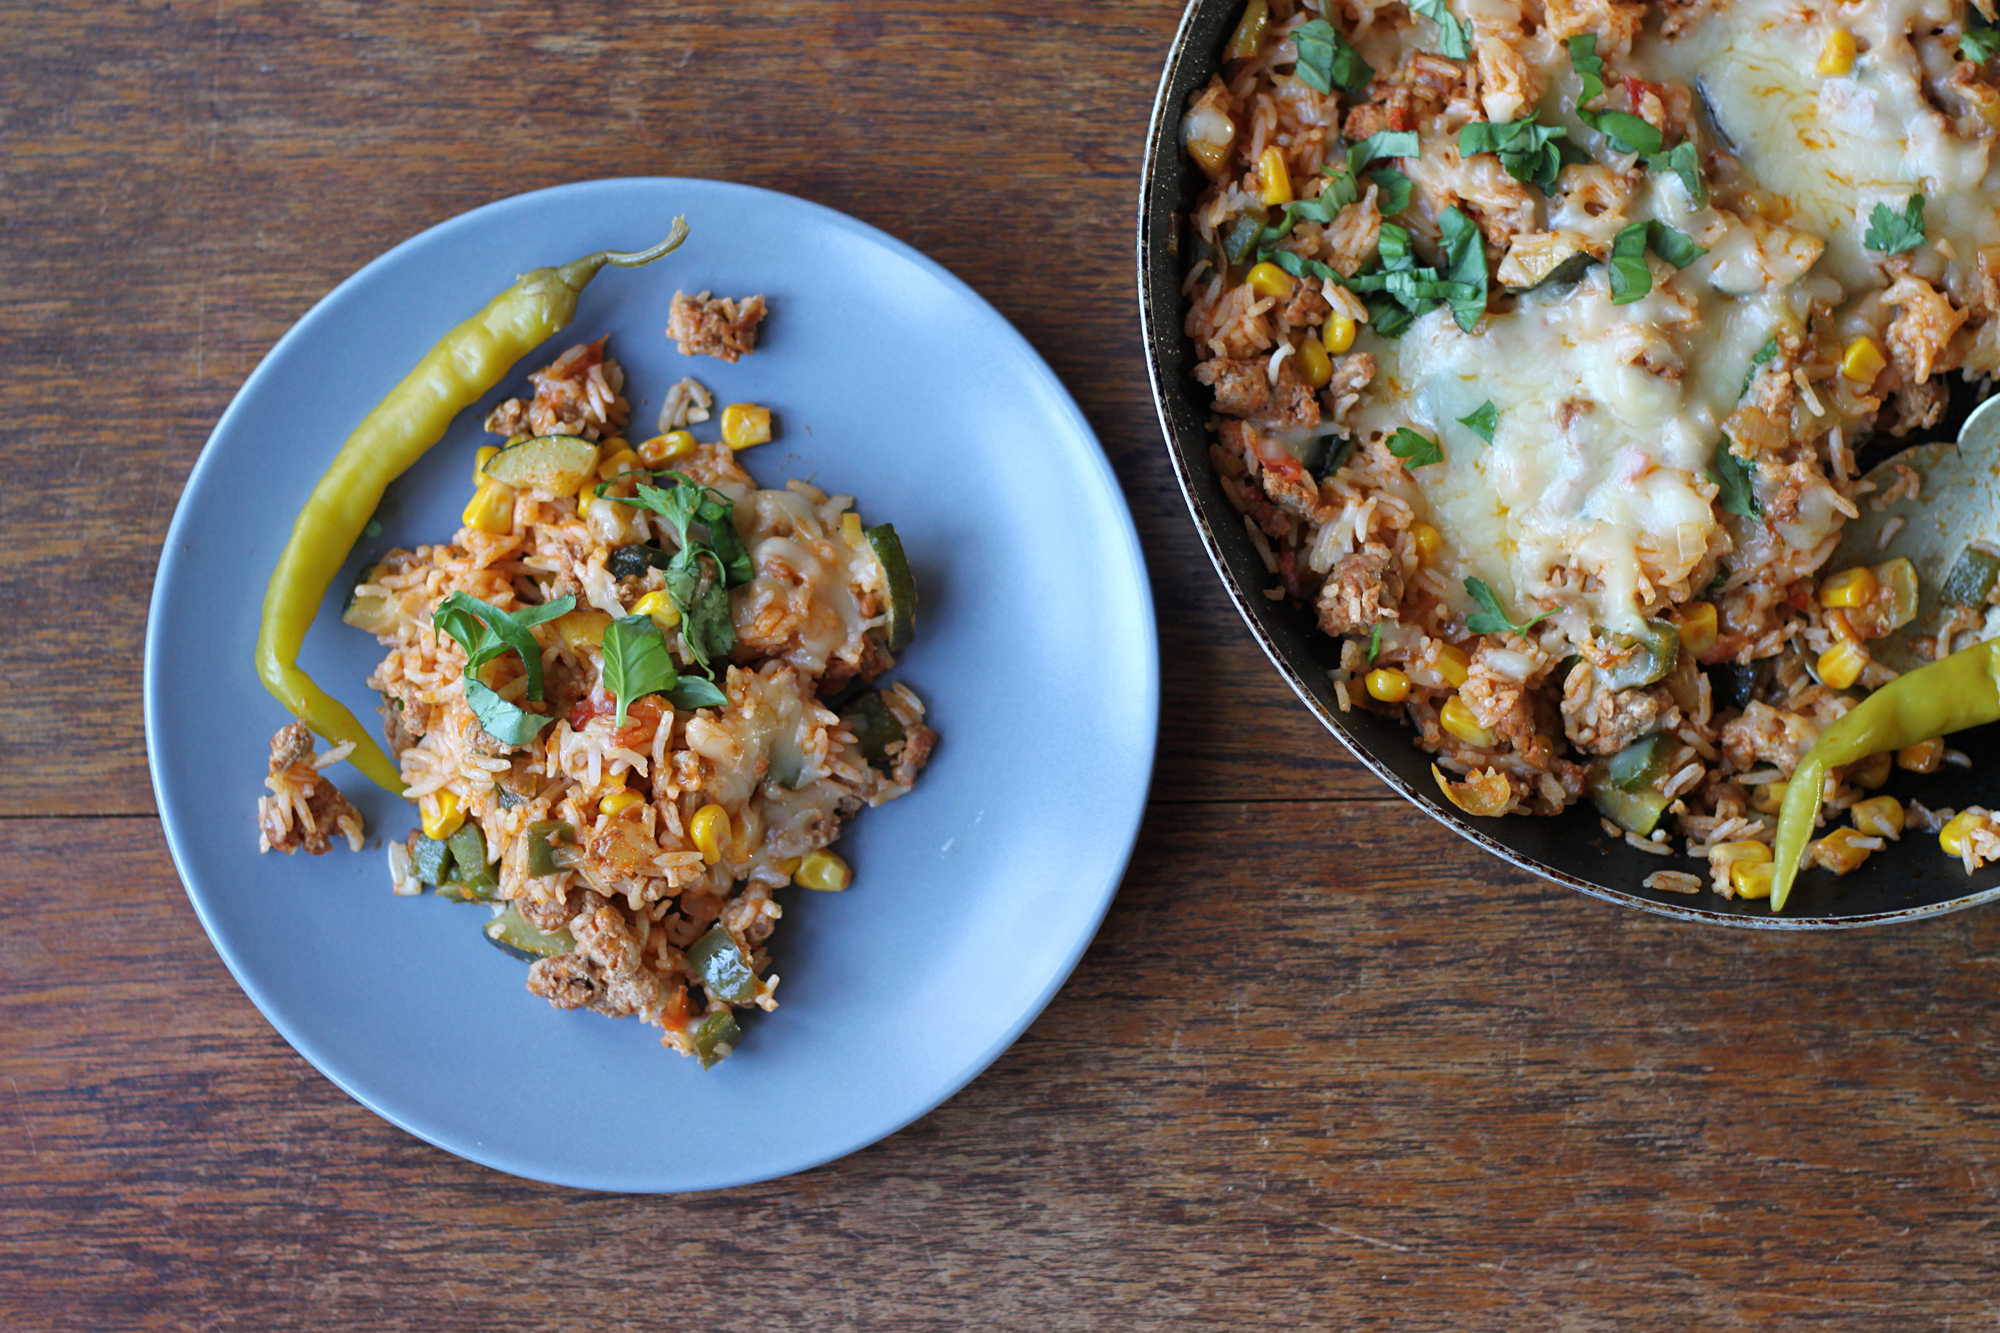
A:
(1324, 1067)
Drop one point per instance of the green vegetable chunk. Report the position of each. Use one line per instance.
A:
(431, 858)
(556, 464)
(515, 934)
(723, 968)
(544, 858)
(1639, 764)
(1651, 655)
(472, 879)
(716, 1037)
(1971, 579)
(902, 586)
(1634, 811)
(875, 728)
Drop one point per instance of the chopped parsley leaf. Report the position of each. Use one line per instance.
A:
(1415, 450)
(1482, 420)
(1492, 618)
(1890, 232)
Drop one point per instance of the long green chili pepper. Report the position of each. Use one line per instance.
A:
(1959, 691)
(453, 375)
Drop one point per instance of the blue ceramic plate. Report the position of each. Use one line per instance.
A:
(974, 896)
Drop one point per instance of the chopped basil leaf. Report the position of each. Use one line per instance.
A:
(1764, 354)
(1394, 248)
(1627, 132)
(1326, 60)
(486, 632)
(501, 720)
(1630, 276)
(636, 662)
(1415, 450)
(1732, 474)
(1685, 162)
(694, 692)
(1336, 454)
(1527, 151)
(707, 629)
(1387, 318)
(1381, 144)
(1453, 40)
(1483, 420)
(1492, 619)
(1981, 41)
(1465, 265)
(1395, 190)
(1676, 247)
(1890, 232)
(1374, 641)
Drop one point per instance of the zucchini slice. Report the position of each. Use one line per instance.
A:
(875, 728)
(557, 464)
(902, 588)
(515, 934)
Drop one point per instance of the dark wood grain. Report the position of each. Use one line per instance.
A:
(1324, 1067)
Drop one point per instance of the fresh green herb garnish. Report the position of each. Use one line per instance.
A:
(1483, 420)
(1732, 474)
(486, 632)
(1374, 641)
(1631, 278)
(504, 722)
(636, 662)
(1465, 265)
(1685, 162)
(694, 692)
(1326, 59)
(702, 601)
(1891, 232)
(1764, 354)
(1528, 151)
(1627, 132)
(1453, 39)
(1415, 450)
(1981, 41)
(1381, 144)
(1395, 190)
(1492, 619)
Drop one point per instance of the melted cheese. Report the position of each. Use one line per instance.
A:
(1832, 148)
(1595, 487)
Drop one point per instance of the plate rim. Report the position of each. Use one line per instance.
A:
(1124, 831)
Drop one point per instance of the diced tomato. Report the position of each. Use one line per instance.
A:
(1800, 595)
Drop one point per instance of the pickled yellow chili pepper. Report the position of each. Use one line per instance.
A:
(453, 375)
(1949, 695)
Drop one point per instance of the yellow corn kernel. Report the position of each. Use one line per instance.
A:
(668, 448)
(480, 460)
(1837, 851)
(1749, 849)
(660, 607)
(1427, 539)
(1752, 879)
(1337, 334)
(1768, 798)
(1923, 757)
(1697, 625)
(1314, 363)
(1862, 361)
(1952, 836)
(1453, 664)
(618, 802)
(708, 828)
(823, 871)
(440, 813)
(1837, 56)
(1275, 176)
(585, 495)
(617, 461)
(1457, 718)
(582, 629)
(788, 866)
(1871, 772)
(1879, 817)
(491, 509)
(850, 530)
(1268, 279)
(1387, 684)
(1851, 588)
(1840, 666)
(745, 424)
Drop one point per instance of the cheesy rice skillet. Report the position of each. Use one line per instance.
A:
(1545, 337)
